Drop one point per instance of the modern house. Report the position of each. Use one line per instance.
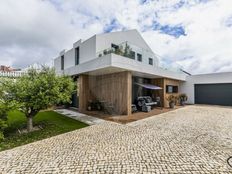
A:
(116, 68)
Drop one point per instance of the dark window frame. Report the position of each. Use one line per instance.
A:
(139, 57)
(62, 62)
(150, 61)
(77, 56)
(172, 89)
(132, 55)
(114, 46)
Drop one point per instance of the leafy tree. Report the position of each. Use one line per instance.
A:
(38, 90)
(6, 103)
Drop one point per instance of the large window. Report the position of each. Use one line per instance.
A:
(150, 61)
(139, 57)
(171, 89)
(77, 56)
(62, 62)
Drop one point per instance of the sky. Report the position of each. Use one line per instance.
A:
(196, 34)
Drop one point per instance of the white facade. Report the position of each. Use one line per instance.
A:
(112, 63)
(95, 60)
(92, 57)
(214, 78)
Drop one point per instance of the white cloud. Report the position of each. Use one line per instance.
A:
(36, 30)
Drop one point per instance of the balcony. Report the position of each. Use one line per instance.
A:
(134, 52)
(131, 51)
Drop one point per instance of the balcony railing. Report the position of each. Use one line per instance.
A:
(129, 50)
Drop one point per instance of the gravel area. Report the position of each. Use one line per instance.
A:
(194, 139)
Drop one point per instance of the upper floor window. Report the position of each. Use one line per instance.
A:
(150, 61)
(114, 46)
(77, 56)
(132, 55)
(139, 57)
(62, 62)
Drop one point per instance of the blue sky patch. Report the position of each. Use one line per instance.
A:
(111, 26)
(179, 4)
(175, 31)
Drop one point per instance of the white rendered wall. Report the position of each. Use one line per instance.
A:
(103, 41)
(57, 64)
(88, 50)
(188, 86)
(69, 59)
(113, 61)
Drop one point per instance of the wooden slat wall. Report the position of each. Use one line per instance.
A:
(115, 89)
(162, 82)
(84, 96)
(170, 82)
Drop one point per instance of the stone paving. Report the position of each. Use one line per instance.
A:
(80, 117)
(194, 139)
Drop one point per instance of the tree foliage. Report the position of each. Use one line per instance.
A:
(39, 90)
(7, 103)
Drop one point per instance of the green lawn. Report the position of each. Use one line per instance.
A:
(52, 123)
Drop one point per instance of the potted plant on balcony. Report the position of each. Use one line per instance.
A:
(172, 100)
(183, 98)
(105, 52)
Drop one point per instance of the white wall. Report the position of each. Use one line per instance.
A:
(69, 59)
(104, 41)
(188, 86)
(146, 69)
(113, 61)
(57, 64)
(87, 53)
(88, 50)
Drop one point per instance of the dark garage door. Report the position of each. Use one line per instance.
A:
(215, 94)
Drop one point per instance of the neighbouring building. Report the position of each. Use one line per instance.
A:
(4, 68)
(116, 68)
(7, 71)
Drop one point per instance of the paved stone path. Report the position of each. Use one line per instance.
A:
(190, 140)
(80, 117)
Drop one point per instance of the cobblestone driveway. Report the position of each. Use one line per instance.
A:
(195, 139)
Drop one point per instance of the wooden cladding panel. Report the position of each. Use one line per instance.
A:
(115, 89)
(162, 82)
(173, 83)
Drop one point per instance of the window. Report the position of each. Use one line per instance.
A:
(139, 57)
(150, 61)
(171, 89)
(114, 46)
(77, 56)
(132, 55)
(62, 62)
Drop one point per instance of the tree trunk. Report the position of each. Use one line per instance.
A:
(29, 124)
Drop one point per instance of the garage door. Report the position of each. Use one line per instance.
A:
(215, 94)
